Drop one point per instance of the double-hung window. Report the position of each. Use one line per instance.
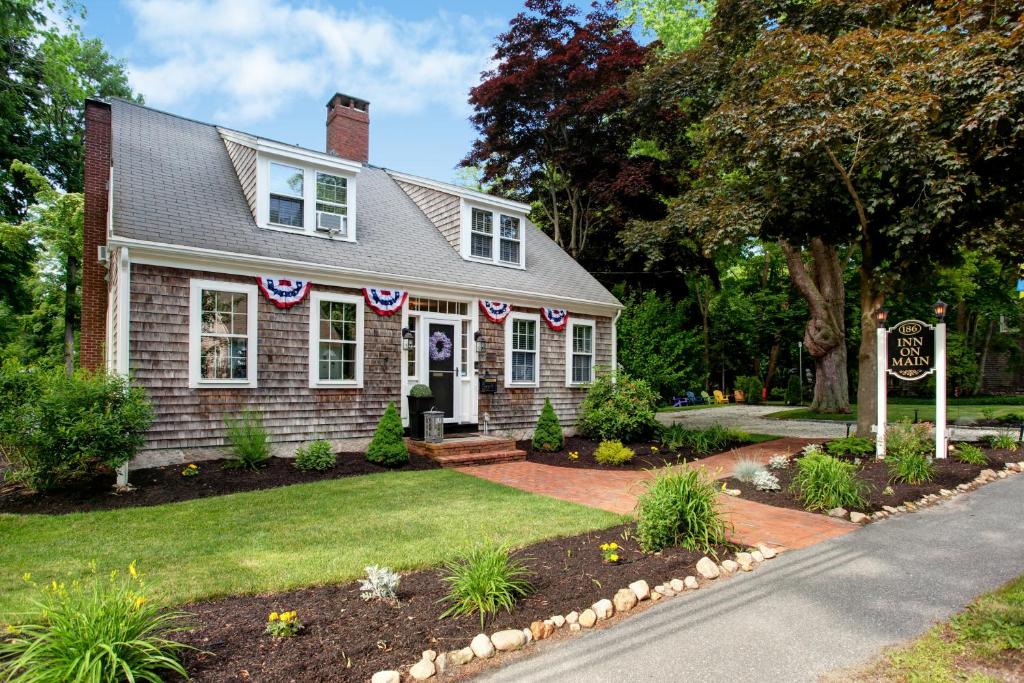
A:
(287, 191)
(508, 251)
(579, 352)
(522, 344)
(222, 334)
(335, 340)
(481, 239)
(305, 195)
(493, 236)
(332, 204)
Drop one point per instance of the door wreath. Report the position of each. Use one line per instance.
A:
(440, 346)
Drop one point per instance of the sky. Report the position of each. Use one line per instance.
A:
(268, 67)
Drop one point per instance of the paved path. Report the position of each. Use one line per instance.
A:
(810, 611)
(617, 491)
(751, 419)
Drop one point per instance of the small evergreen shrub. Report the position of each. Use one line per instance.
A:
(613, 453)
(548, 434)
(766, 481)
(745, 470)
(316, 456)
(380, 584)
(911, 468)
(99, 630)
(623, 409)
(387, 448)
(421, 391)
(754, 389)
(793, 397)
(970, 454)
(484, 581)
(856, 446)
(680, 508)
(822, 482)
(250, 443)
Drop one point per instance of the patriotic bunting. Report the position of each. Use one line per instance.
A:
(556, 318)
(385, 301)
(495, 311)
(284, 292)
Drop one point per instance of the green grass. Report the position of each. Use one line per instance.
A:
(969, 647)
(284, 538)
(926, 413)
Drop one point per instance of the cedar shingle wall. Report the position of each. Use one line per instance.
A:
(441, 208)
(292, 411)
(244, 160)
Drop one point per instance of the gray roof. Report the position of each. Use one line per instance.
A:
(175, 184)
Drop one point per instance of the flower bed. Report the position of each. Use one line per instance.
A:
(174, 483)
(346, 638)
(649, 454)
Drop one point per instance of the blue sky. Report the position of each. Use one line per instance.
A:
(269, 66)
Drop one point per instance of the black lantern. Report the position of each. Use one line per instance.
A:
(940, 309)
(481, 345)
(881, 315)
(408, 339)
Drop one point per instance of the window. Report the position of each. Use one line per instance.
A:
(331, 203)
(509, 250)
(438, 306)
(336, 340)
(521, 345)
(410, 367)
(286, 195)
(464, 350)
(222, 334)
(579, 353)
(481, 234)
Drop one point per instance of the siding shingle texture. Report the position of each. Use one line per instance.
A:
(441, 208)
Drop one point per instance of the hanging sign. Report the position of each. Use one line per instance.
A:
(385, 301)
(911, 350)
(284, 292)
(495, 311)
(556, 318)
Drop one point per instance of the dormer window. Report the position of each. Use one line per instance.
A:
(286, 195)
(493, 236)
(332, 203)
(510, 238)
(482, 234)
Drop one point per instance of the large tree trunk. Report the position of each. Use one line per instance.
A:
(773, 361)
(69, 315)
(983, 361)
(825, 335)
(867, 398)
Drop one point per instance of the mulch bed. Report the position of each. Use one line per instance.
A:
(158, 485)
(649, 454)
(349, 639)
(948, 474)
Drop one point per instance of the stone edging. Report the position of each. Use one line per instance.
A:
(625, 599)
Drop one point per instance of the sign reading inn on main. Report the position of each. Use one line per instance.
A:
(911, 350)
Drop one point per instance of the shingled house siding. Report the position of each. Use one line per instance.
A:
(112, 303)
(244, 160)
(516, 410)
(292, 411)
(440, 207)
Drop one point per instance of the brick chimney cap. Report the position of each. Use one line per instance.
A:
(348, 101)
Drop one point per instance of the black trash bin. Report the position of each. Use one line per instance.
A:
(418, 406)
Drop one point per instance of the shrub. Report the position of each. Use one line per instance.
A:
(316, 456)
(56, 429)
(1002, 441)
(483, 581)
(754, 389)
(907, 439)
(97, 630)
(548, 434)
(380, 584)
(680, 508)
(851, 445)
(388, 445)
(623, 409)
(613, 453)
(822, 482)
(766, 481)
(778, 462)
(421, 391)
(911, 468)
(250, 443)
(793, 397)
(970, 454)
(745, 470)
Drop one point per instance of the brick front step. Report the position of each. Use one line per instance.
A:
(469, 459)
(468, 450)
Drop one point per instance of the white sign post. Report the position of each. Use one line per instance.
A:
(940, 390)
(882, 359)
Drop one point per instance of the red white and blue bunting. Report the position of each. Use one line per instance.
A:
(495, 311)
(284, 292)
(556, 318)
(385, 301)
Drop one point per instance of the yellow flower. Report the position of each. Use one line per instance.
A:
(273, 616)
(654, 449)
(133, 571)
(613, 545)
(139, 602)
(604, 546)
(26, 577)
(613, 557)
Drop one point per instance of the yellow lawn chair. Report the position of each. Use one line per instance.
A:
(719, 397)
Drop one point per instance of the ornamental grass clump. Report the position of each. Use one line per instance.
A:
(98, 630)
(911, 468)
(745, 470)
(316, 456)
(548, 434)
(484, 581)
(250, 443)
(969, 454)
(822, 482)
(1002, 441)
(388, 446)
(680, 508)
(613, 453)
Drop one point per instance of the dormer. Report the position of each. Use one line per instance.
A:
(478, 226)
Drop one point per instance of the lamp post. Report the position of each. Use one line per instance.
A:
(881, 360)
(940, 379)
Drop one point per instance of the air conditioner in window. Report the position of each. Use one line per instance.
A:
(333, 224)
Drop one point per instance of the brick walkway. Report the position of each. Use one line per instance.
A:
(617, 491)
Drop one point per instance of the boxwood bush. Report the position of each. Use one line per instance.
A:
(622, 408)
(316, 456)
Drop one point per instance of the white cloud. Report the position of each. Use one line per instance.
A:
(253, 56)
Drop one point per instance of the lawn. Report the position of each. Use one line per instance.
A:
(985, 642)
(284, 538)
(967, 412)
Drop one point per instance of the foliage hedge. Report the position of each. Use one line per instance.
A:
(623, 408)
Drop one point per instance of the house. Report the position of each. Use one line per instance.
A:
(226, 272)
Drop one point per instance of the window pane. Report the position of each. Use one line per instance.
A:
(331, 208)
(482, 221)
(581, 368)
(286, 180)
(509, 251)
(213, 358)
(582, 339)
(331, 188)
(522, 366)
(523, 335)
(240, 323)
(285, 211)
(480, 245)
(510, 227)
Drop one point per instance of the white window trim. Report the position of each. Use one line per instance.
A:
(309, 171)
(465, 241)
(195, 326)
(569, 352)
(535, 317)
(314, 341)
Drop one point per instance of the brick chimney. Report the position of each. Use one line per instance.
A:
(348, 127)
(94, 284)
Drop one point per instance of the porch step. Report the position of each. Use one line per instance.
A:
(467, 459)
(468, 450)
